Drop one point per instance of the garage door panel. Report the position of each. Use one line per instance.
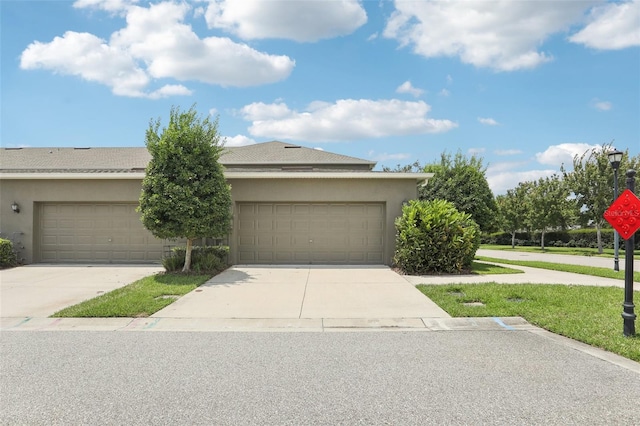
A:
(339, 233)
(95, 232)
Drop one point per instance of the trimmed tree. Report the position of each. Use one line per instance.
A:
(462, 181)
(184, 192)
(513, 210)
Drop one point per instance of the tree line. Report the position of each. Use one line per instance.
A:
(567, 199)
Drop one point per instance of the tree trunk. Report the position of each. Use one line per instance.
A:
(599, 237)
(513, 239)
(187, 256)
(542, 240)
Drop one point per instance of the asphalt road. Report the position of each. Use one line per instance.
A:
(342, 378)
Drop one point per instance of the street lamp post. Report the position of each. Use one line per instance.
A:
(615, 157)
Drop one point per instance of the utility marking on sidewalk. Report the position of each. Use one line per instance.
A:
(502, 324)
(27, 319)
(151, 324)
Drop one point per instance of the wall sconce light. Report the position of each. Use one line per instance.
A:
(15, 207)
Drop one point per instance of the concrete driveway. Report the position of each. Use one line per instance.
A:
(305, 292)
(42, 290)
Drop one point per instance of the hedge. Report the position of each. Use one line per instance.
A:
(203, 259)
(584, 238)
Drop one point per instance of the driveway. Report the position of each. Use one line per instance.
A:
(42, 290)
(304, 292)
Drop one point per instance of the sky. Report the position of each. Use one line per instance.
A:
(525, 85)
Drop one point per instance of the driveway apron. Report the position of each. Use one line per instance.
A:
(304, 292)
(42, 290)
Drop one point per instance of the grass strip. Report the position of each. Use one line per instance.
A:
(576, 251)
(562, 267)
(589, 314)
(487, 269)
(138, 299)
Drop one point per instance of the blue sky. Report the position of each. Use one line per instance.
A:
(524, 84)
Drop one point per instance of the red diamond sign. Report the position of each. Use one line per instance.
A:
(624, 214)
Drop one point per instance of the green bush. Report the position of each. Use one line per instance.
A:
(434, 237)
(7, 255)
(212, 259)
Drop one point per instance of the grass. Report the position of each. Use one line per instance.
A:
(486, 269)
(576, 269)
(138, 299)
(589, 314)
(577, 251)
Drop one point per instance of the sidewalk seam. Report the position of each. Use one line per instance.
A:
(304, 295)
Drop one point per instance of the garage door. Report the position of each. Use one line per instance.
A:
(303, 233)
(102, 233)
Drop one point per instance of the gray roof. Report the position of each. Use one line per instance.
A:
(135, 159)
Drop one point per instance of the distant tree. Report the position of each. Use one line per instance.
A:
(462, 181)
(184, 192)
(415, 167)
(548, 206)
(591, 182)
(513, 209)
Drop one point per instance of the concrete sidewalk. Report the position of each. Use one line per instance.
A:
(530, 276)
(568, 259)
(299, 292)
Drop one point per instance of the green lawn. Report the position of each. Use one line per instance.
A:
(589, 314)
(576, 269)
(578, 251)
(138, 299)
(486, 269)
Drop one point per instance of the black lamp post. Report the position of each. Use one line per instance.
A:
(615, 157)
(628, 314)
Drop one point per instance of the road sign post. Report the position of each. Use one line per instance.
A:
(624, 216)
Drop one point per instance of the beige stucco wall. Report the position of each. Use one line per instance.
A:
(28, 192)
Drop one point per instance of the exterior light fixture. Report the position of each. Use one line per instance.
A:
(615, 157)
(15, 207)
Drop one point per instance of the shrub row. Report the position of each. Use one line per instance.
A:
(209, 259)
(584, 238)
(7, 255)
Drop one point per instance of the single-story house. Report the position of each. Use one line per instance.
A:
(291, 205)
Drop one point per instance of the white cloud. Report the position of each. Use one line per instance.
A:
(488, 121)
(373, 36)
(385, 157)
(238, 140)
(444, 92)
(612, 26)
(449, 79)
(155, 44)
(407, 87)
(476, 151)
(344, 120)
(504, 35)
(556, 155)
(107, 5)
(302, 21)
(213, 111)
(601, 105)
(504, 176)
(505, 152)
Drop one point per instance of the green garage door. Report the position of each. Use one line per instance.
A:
(101, 233)
(310, 233)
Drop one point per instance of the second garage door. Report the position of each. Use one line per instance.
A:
(94, 232)
(310, 233)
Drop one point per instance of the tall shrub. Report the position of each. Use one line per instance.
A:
(434, 237)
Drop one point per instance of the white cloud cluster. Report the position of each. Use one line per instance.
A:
(238, 140)
(602, 105)
(386, 157)
(611, 26)
(504, 176)
(155, 44)
(556, 155)
(344, 120)
(407, 87)
(502, 34)
(488, 121)
(506, 152)
(302, 21)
